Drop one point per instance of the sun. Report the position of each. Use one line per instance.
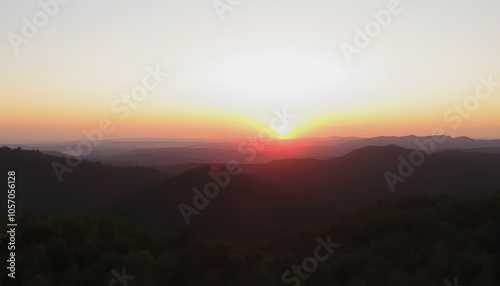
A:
(282, 130)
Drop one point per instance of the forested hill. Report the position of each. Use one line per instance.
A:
(39, 189)
(419, 240)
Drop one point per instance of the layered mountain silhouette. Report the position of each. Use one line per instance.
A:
(161, 152)
(263, 200)
(267, 199)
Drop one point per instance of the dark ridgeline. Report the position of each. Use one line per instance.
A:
(442, 222)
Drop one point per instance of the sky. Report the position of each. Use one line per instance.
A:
(232, 64)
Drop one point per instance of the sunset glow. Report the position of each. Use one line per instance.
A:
(225, 78)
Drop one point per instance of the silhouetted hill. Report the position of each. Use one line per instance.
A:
(267, 199)
(38, 188)
(410, 142)
(263, 200)
(361, 172)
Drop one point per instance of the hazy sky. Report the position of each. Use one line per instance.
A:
(226, 76)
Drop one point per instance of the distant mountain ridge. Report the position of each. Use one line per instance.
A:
(163, 153)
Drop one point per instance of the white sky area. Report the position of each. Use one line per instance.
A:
(264, 54)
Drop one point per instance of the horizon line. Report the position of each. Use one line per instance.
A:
(145, 139)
